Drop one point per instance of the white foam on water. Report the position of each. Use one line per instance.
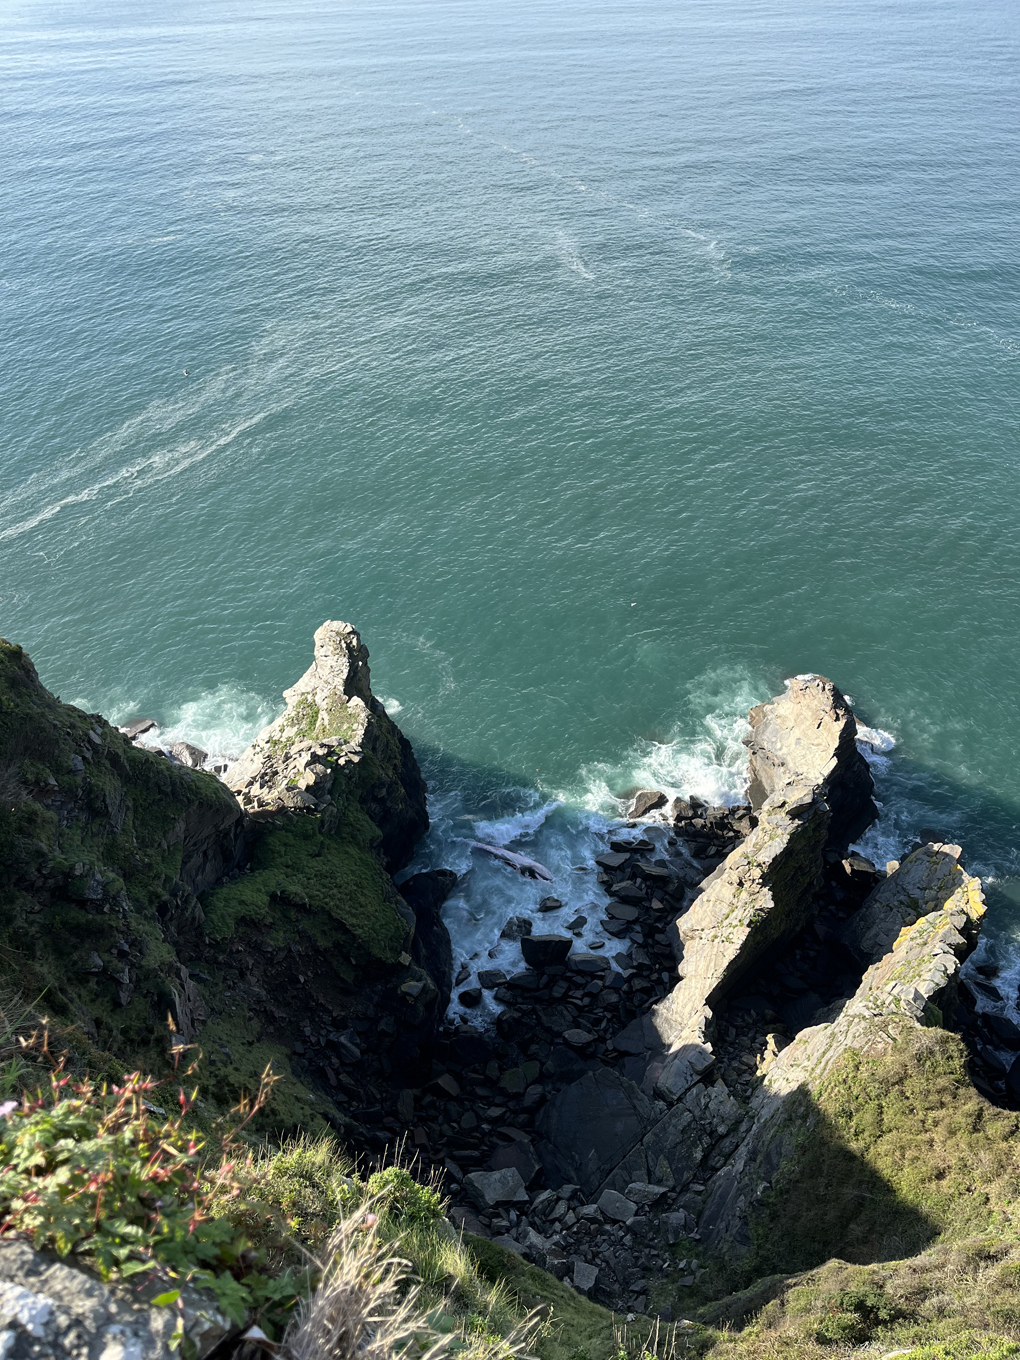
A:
(565, 829)
(392, 706)
(221, 722)
(873, 743)
(521, 826)
(567, 253)
(707, 758)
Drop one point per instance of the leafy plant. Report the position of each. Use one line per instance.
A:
(404, 1198)
(853, 1314)
(100, 1172)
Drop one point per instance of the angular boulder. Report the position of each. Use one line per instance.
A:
(645, 801)
(541, 951)
(589, 1126)
(486, 1189)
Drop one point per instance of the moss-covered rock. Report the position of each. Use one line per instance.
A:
(136, 895)
(104, 848)
(335, 740)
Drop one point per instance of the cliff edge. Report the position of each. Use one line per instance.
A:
(265, 926)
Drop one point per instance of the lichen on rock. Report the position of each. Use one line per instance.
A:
(335, 738)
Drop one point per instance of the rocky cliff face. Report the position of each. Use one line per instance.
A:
(333, 740)
(105, 850)
(266, 925)
(681, 1122)
(807, 737)
(923, 921)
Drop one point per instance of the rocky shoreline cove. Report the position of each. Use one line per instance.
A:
(629, 1111)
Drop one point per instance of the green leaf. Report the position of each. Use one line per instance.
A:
(165, 1300)
(129, 1268)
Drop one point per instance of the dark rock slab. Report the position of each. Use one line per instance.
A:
(520, 1157)
(490, 978)
(645, 801)
(627, 891)
(431, 948)
(540, 951)
(613, 859)
(590, 1126)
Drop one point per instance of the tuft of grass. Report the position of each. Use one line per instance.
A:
(367, 1305)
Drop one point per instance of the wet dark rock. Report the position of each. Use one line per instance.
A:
(516, 928)
(490, 978)
(622, 911)
(627, 891)
(645, 801)
(137, 727)
(550, 904)
(431, 948)
(542, 950)
(613, 859)
(588, 963)
(526, 981)
(1002, 1030)
(470, 997)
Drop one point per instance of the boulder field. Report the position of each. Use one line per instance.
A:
(626, 1099)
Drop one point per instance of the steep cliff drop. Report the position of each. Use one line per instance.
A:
(265, 926)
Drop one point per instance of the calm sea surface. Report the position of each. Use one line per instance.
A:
(605, 363)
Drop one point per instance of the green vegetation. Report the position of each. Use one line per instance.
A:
(332, 887)
(80, 893)
(894, 1153)
(955, 1302)
(306, 721)
(103, 1173)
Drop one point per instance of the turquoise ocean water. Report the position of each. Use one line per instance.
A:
(606, 363)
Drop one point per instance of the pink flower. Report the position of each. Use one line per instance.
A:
(7, 1107)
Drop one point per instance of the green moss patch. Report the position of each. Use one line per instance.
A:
(331, 886)
(896, 1152)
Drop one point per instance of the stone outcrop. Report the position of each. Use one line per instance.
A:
(655, 1108)
(333, 740)
(927, 879)
(50, 1311)
(761, 896)
(807, 736)
(911, 984)
(134, 888)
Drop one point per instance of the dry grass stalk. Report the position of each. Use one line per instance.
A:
(362, 1307)
(367, 1307)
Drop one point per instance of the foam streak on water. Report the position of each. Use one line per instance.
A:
(604, 363)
